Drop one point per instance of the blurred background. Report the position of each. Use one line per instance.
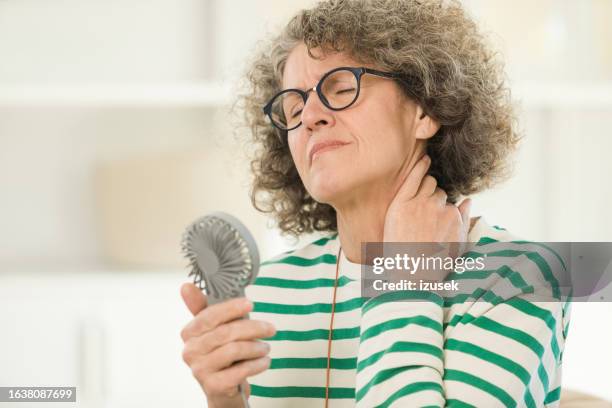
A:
(115, 133)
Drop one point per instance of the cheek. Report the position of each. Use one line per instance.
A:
(382, 138)
(297, 146)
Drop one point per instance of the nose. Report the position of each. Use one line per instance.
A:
(315, 114)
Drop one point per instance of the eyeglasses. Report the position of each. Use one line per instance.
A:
(338, 89)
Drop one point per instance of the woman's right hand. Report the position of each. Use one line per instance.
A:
(221, 348)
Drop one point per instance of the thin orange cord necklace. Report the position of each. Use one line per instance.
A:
(331, 327)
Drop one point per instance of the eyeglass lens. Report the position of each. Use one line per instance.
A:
(339, 90)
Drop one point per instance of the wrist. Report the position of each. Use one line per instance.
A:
(225, 402)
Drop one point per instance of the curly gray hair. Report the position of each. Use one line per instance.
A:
(455, 76)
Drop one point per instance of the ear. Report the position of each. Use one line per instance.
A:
(425, 125)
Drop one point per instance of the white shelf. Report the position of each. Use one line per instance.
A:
(531, 95)
(116, 95)
(563, 95)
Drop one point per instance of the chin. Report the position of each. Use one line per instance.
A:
(327, 190)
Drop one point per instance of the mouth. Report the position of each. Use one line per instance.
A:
(323, 147)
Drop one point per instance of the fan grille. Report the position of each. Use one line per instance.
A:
(219, 258)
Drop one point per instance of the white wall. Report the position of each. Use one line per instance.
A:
(83, 41)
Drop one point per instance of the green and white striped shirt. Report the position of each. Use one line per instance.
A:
(503, 350)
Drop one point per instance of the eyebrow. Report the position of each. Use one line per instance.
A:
(316, 82)
(297, 87)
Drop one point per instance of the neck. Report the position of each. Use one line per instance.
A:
(361, 218)
(358, 222)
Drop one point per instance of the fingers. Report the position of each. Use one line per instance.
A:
(237, 373)
(235, 331)
(193, 298)
(440, 195)
(428, 187)
(228, 354)
(420, 211)
(215, 315)
(220, 358)
(226, 381)
(411, 185)
(464, 209)
(221, 346)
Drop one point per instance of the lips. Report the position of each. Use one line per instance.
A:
(328, 145)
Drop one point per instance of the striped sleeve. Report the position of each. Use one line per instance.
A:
(501, 348)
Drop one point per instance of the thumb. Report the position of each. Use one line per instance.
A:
(193, 298)
(464, 210)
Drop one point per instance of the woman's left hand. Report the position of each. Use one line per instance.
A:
(419, 211)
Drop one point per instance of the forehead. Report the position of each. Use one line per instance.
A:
(302, 71)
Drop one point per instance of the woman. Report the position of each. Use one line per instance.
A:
(378, 115)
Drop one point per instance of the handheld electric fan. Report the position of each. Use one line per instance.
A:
(223, 258)
(222, 254)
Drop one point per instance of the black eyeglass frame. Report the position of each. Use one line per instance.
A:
(357, 71)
